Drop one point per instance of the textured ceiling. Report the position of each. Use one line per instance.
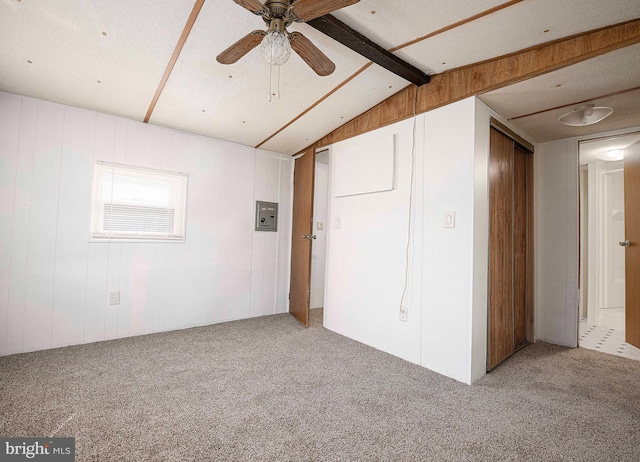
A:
(610, 80)
(110, 56)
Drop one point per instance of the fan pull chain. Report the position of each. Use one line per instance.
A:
(270, 80)
(277, 89)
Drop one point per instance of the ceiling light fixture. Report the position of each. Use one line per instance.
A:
(585, 115)
(276, 50)
(275, 46)
(614, 154)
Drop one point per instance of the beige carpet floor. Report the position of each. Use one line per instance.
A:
(267, 389)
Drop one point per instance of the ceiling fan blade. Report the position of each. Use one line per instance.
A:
(252, 5)
(311, 55)
(305, 10)
(241, 47)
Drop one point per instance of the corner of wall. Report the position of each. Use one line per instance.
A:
(478, 333)
(447, 307)
(273, 181)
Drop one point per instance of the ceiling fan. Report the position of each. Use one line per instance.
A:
(276, 42)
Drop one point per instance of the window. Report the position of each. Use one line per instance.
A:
(131, 204)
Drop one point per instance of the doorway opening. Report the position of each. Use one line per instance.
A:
(602, 282)
(319, 243)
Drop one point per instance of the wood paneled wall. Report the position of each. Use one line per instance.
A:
(461, 83)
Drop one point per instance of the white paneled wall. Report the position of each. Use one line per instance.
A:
(54, 283)
(367, 263)
(449, 179)
(556, 258)
(271, 251)
(446, 287)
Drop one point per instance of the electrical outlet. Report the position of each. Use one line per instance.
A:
(114, 298)
(404, 313)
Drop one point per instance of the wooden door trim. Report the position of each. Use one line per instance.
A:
(495, 123)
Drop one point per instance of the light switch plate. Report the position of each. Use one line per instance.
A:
(320, 226)
(449, 219)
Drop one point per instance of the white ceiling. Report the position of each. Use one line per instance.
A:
(110, 56)
(594, 150)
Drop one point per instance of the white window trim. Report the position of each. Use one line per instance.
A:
(97, 233)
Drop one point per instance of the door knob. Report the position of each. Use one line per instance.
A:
(309, 236)
(624, 243)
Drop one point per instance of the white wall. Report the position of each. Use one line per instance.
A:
(271, 252)
(366, 262)
(455, 260)
(447, 285)
(446, 293)
(480, 281)
(556, 257)
(556, 238)
(54, 284)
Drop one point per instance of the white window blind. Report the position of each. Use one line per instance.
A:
(131, 203)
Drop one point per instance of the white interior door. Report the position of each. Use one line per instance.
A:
(606, 285)
(319, 244)
(613, 234)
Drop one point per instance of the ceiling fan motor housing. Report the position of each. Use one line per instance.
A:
(276, 8)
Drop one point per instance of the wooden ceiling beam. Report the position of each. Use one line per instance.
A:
(340, 32)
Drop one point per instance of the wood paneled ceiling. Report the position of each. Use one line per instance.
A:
(154, 60)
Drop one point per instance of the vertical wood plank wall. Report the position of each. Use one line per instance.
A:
(54, 283)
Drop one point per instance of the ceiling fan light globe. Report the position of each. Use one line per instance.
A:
(275, 48)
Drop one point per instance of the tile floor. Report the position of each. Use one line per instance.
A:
(606, 340)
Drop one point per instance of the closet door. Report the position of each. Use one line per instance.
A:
(510, 266)
(501, 317)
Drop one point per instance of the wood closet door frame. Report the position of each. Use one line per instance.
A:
(518, 160)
